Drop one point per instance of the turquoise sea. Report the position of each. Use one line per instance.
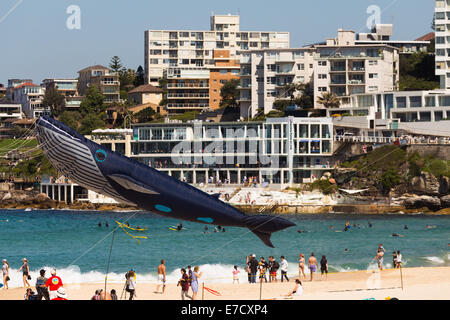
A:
(73, 243)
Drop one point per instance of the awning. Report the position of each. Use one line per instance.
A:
(353, 191)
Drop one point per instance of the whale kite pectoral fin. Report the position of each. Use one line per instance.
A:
(265, 237)
(131, 184)
(216, 195)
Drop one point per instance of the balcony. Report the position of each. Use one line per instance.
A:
(356, 82)
(188, 95)
(110, 83)
(188, 85)
(187, 106)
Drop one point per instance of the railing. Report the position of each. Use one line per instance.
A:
(188, 105)
(187, 85)
(188, 95)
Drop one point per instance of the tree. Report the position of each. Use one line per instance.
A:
(145, 115)
(329, 100)
(139, 79)
(93, 102)
(390, 179)
(54, 100)
(163, 85)
(230, 93)
(91, 122)
(115, 64)
(71, 119)
(127, 78)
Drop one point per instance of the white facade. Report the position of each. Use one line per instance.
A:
(194, 48)
(31, 98)
(265, 73)
(442, 29)
(355, 69)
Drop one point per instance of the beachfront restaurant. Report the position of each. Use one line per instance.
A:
(278, 151)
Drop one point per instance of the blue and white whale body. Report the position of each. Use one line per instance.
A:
(128, 181)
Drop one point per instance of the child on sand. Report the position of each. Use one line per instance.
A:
(236, 274)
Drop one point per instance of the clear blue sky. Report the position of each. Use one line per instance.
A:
(36, 44)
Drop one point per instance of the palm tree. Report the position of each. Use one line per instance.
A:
(329, 100)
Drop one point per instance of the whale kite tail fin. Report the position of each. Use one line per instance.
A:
(264, 226)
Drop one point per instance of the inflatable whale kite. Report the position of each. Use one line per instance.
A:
(127, 181)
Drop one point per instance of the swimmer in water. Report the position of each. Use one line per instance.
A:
(370, 225)
(99, 224)
(406, 227)
(397, 235)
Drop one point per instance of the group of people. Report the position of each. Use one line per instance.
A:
(254, 267)
(262, 267)
(396, 257)
(189, 279)
(46, 288)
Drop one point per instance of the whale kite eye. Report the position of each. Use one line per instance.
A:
(100, 155)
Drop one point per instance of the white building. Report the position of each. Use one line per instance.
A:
(31, 96)
(194, 48)
(265, 73)
(345, 68)
(442, 29)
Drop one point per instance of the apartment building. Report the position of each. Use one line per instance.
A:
(382, 33)
(12, 83)
(442, 30)
(195, 48)
(31, 96)
(68, 88)
(345, 68)
(103, 78)
(265, 74)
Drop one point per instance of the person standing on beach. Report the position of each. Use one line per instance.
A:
(25, 268)
(253, 268)
(312, 265)
(41, 289)
(131, 283)
(284, 269)
(5, 271)
(263, 269)
(394, 259)
(236, 274)
(161, 277)
(194, 283)
(324, 266)
(184, 283)
(301, 266)
(379, 258)
(273, 268)
(399, 260)
(380, 247)
(247, 268)
(53, 284)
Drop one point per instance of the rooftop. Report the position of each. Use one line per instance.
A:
(146, 88)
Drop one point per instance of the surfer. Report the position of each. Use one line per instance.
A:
(179, 226)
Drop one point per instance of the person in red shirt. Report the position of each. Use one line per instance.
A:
(61, 294)
(53, 284)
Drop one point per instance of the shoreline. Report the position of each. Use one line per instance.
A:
(423, 283)
(362, 209)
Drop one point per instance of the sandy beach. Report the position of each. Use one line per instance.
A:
(418, 284)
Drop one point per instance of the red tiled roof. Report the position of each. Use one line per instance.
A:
(146, 88)
(26, 84)
(428, 37)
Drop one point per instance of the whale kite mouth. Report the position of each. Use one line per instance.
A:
(58, 127)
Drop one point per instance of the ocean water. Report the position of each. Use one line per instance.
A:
(74, 244)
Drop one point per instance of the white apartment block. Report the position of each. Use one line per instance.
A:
(442, 29)
(194, 48)
(265, 73)
(344, 68)
(31, 96)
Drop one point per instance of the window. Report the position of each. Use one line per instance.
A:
(323, 76)
(322, 63)
(322, 89)
(301, 66)
(373, 62)
(440, 40)
(373, 75)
